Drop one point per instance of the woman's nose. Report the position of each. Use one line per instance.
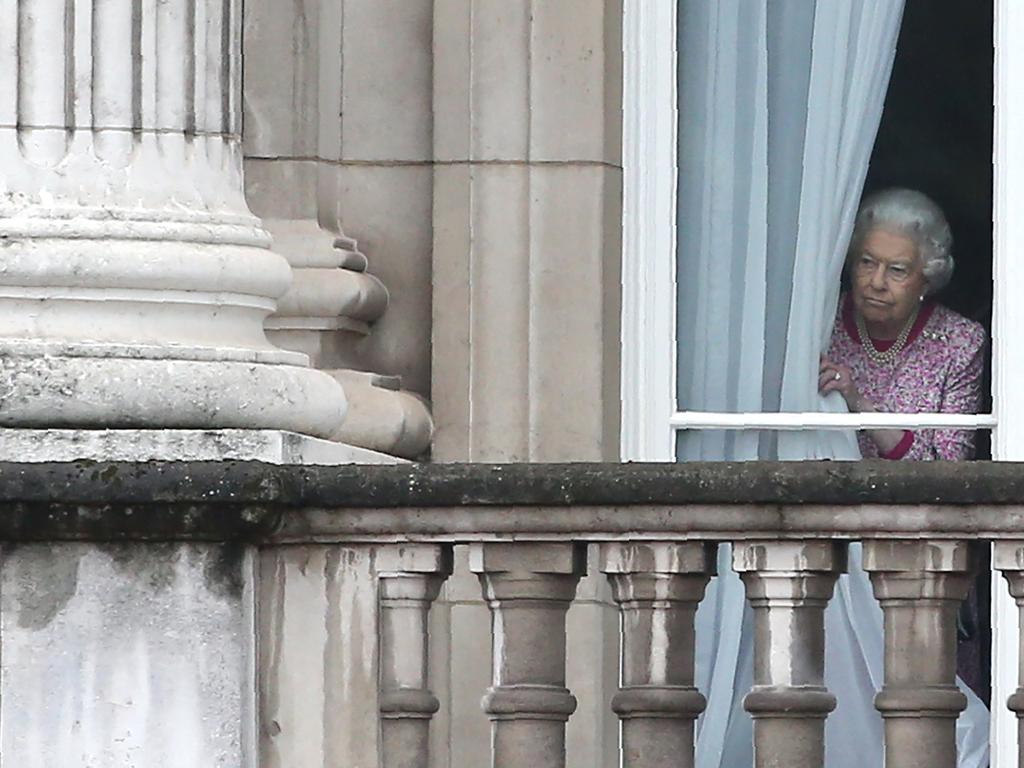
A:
(878, 277)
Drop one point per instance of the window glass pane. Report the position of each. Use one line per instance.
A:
(768, 192)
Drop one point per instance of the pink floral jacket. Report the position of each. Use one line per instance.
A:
(939, 371)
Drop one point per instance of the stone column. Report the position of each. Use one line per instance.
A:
(528, 587)
(920, 585)
(410, 578)
(1008, 557)
(135, 280)
(658, 586)
(789, 585)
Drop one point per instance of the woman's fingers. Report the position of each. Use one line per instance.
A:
(835, 378)
(827, 381)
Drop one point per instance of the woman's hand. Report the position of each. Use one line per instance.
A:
(833, 377)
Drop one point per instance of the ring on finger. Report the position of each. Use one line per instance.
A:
(838, 376)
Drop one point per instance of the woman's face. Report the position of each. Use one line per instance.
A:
(887, 278)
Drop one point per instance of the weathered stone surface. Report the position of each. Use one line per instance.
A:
(529, 588)
(804, 483)
(920, 585)
(658, 586)
(788, 585)
(142, 445)
(410, 579)
(317, 628)
(1008, 557)
(714, 501)
(315, 153)
(384, 418)
(122, 655)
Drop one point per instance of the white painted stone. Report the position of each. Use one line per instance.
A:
(127, 655)
(269, 446)
(135, 280)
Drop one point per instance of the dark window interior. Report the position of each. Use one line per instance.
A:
(936, 133)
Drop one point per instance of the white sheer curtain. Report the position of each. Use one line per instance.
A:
(779, 104)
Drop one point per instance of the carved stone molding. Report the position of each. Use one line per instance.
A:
(327, 312)
(135, 280)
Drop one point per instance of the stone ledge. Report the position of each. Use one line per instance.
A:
(360, 485)
(180, 445)
(599, 502)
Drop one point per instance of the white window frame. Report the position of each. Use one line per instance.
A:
(649, 416)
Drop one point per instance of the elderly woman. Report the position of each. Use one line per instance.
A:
(894, 348)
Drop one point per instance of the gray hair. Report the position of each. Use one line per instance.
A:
(914, 215)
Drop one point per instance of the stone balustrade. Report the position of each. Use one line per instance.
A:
(529, 585)
(527, 528)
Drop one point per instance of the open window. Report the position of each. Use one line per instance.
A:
(953, 89)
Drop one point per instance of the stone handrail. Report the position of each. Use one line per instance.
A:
(448, 502)
(657, 527)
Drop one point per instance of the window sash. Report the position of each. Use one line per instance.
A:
(814, 420)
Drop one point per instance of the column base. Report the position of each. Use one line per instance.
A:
(267, 445)
(91, 388)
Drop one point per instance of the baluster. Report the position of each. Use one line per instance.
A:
(788, 584)
(1008, 557)
(920, 585)
(410, 579)
(528, 587)
(657, 586)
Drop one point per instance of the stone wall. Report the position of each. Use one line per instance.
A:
(473, 149)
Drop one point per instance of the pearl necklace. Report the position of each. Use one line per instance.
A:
(889, 356)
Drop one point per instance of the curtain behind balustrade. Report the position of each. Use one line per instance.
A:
(779, 104)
